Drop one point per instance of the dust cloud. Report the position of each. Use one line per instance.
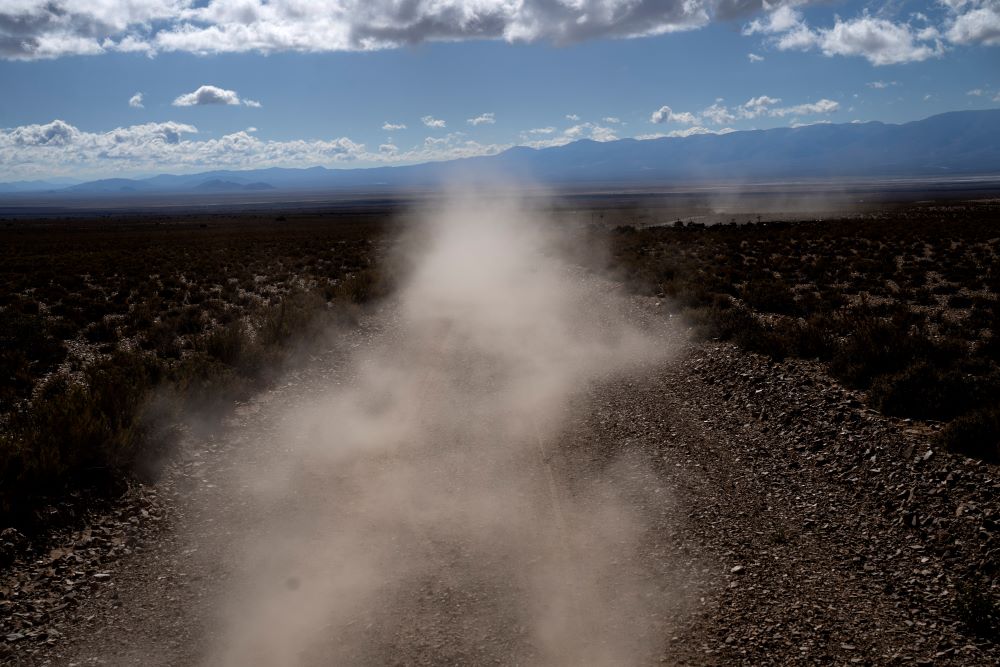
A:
(418, 513)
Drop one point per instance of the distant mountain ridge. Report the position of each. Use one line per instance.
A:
(950, 144)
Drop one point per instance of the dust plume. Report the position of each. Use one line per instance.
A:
(417, 513)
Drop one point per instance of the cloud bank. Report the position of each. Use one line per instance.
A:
(879, 39)
(58, 147)
(719, 114)
(39, 29)
(32, 29)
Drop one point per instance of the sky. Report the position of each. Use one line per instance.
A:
(100, 88)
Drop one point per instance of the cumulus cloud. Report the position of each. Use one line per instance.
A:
(881, 85)
(823, 106)
(572, 116)
(136, 101)
(208, 95)
(686, 132)
(975, 23)
(755, 107)
(667, 115)
(754, 58)
(392, 127)
(798, 124)
(431, 121)
(483, 119)
(32, 151)
(879, 40)
(612, 120)
(554, 137)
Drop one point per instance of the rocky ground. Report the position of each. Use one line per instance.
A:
(787, 525)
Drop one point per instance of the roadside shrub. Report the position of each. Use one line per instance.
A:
(297, 315)
(978, 611)
(976, 434)
(873, 347)
(80, 433)
(227, 343)
(27, 349)
(770, 295)
(923, 391)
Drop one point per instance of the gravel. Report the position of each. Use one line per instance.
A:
(788, 523)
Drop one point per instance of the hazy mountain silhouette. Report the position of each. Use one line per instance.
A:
(949, 144)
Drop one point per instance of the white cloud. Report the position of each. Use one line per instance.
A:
(881, 85)
(483, 119)
(980, 25)
(697, 129)
(976, 92)
(798, 124)
(612, 120)
(754, 58)
(718, 114)
(136, 101)
(686, 132)
(588, 130)
(33, 151)
(254, 104)
(879, 40)
(431, 121)
(782, 19)
(667, 115)
(206, 95)
(755, 107)
(996, 98)
(572, 116)
(392, 127)
(823, 106)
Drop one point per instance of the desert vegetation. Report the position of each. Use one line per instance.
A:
(901, 304)
(109, 328)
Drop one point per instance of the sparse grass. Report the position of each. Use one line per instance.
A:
(902, 305)
(109, 328)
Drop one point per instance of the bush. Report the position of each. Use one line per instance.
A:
(873, 347)
(770, 295)
(978, 611)
(923, 391)
(78, 433)
(976, 434)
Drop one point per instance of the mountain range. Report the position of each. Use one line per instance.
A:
(957, 143)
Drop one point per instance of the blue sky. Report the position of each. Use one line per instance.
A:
(154, 86)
